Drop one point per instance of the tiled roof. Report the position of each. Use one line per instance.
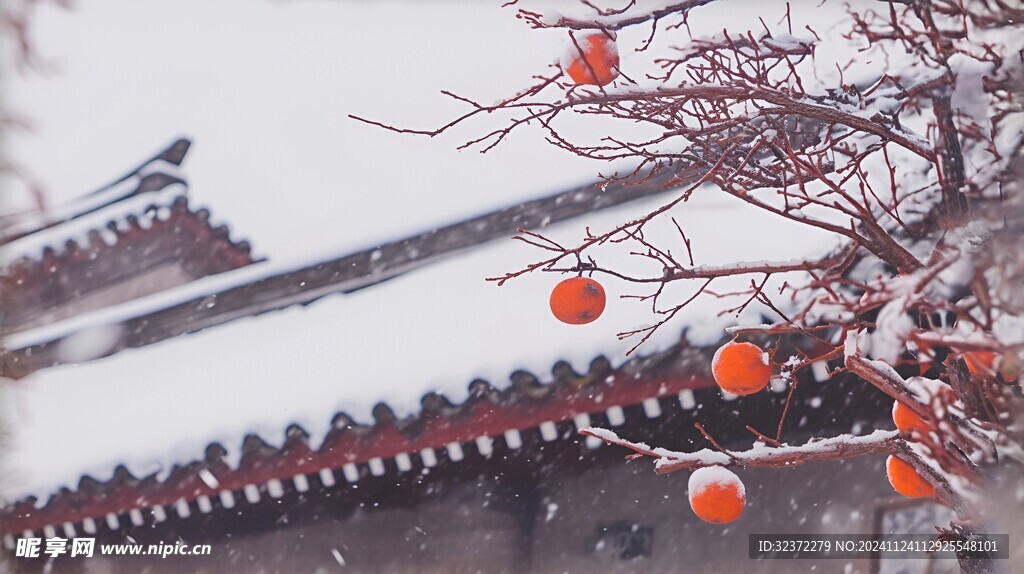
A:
(110, 253)
(440, 430)
(152, 176)
(139, 223)
(642, 396)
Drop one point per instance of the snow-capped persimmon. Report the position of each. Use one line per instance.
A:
(907, 420)
(577, 301)
(741, 368)
(597, 65)
(716, 494)
(905, 480)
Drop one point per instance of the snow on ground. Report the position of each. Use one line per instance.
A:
(434, 329)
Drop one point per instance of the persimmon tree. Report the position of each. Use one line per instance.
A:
(913, 168)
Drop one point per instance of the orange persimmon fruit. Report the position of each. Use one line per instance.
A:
(716, 494)
(907, 420)
(597, 65)
(577, 301)
(981, 362)
(741, 368)
(905, 480)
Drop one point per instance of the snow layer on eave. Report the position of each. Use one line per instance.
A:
(435, 329)
(113, 315)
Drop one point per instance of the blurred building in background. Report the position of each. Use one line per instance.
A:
(501, 482)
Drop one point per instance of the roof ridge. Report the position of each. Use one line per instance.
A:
(16, 226)
(276, 287)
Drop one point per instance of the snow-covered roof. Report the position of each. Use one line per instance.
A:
(434, 329)
(212, 301)
(493, 431)
(109, 246)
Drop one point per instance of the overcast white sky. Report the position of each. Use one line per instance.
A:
(264, 89)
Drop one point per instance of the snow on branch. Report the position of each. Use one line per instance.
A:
(611, 19)
(835, 448)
